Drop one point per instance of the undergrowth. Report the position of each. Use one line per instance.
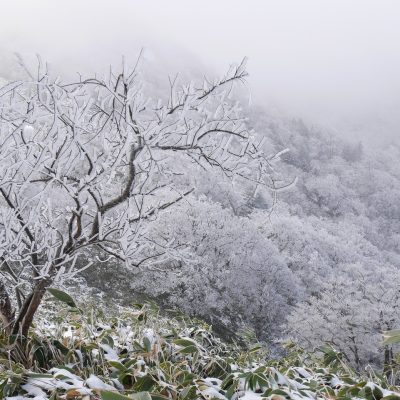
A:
(139, 353)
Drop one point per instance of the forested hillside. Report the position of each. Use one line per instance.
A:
(199, 200)
(339, 233)
(269, 229)
(317, 262)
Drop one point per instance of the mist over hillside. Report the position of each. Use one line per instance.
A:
(324, 253)
(199, 201)
(333, 64)
(311, 254)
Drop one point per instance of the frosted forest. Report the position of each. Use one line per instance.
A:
(184, 230)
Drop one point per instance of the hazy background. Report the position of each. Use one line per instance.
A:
(331, 62)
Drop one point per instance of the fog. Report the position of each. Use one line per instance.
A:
(330, 62)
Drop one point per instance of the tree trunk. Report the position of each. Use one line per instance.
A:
(388, 362)
(6, 309)
(24, 321)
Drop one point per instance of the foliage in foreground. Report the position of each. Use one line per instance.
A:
(143, 355)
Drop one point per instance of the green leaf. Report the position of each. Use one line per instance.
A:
(184, 342)
(156, 396)
(391, 337)
(188, 350)
(255, 349)
(138, 346)
(147, 344)
(63, 349)
(107, 339)
(107, 395)
(141, 396)
(144, 383)
(231, 390)
(119, 366)
(62, 296)
(188, 393)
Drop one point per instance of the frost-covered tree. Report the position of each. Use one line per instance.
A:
(338, 228)
(86, 165)
(350, 312)
(234, 277)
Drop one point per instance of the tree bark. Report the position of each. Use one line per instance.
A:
(6, 309)
(29, 308)
(388, 362)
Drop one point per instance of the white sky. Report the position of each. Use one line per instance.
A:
(332, 61)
